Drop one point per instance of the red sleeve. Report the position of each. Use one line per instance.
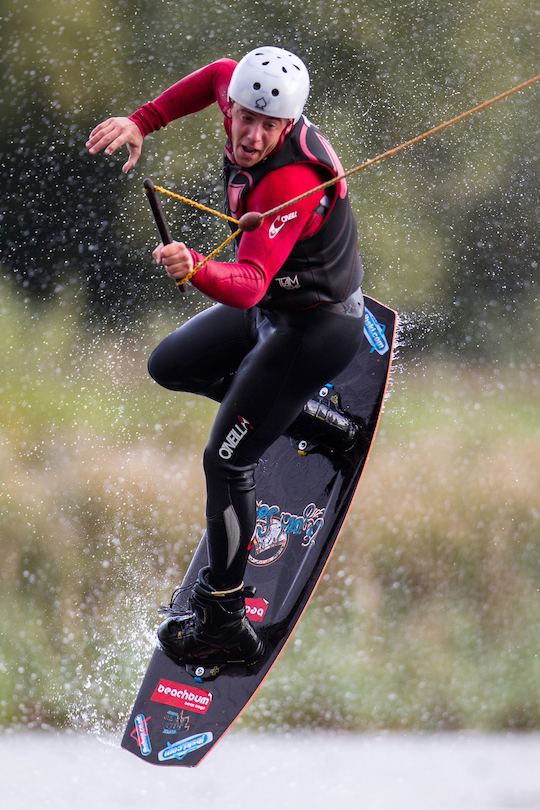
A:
(192, 93)
(263, 252)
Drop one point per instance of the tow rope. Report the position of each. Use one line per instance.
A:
(253, 219)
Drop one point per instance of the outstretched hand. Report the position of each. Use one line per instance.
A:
(175, 258)
(114, 133)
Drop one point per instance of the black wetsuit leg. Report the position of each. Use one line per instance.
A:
(263, 367)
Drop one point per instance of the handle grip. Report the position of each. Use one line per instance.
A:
(159, 217)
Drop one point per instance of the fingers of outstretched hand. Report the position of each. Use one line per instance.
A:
(114, 133)
(134, 155)
(115, 140)
(102, 135)
(100, 128)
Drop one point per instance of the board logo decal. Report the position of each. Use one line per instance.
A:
(181, 696)
(256, 608)
(182, 748)
(274, 528)
(140, 734)
(174, 723)
(375, 333)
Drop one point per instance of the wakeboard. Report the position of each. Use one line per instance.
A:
(305, 486)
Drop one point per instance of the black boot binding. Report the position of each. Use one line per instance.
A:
(323, 423)
(216, 632)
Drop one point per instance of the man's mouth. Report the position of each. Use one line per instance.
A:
(248, 150)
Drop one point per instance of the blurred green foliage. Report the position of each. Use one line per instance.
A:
(448, 229)
(428, 616)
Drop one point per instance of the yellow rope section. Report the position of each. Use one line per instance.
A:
(215, 252)
(355, 170)
(195, 204)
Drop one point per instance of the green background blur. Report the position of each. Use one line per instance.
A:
(429, 614)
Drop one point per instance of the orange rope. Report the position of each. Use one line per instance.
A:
(334, 180)
(402, 146)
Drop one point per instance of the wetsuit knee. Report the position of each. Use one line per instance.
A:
(169, 371)
(158, 369)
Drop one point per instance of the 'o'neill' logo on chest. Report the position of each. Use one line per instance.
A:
(280, 222)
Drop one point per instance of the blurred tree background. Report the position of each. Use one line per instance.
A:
(449, 235)
(449, 229)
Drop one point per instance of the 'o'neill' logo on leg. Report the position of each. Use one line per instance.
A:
(234, 437)
(375, 333)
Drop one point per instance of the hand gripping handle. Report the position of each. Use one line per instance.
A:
(159, 217)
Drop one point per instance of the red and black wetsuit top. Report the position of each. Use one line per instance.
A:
(304, 257)
(324, 267)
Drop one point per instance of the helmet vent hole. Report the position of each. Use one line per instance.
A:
(296, 66)
(275, 92)
(284, 69)
(266, 63)
(257, 86)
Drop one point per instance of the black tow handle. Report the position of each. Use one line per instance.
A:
(159, 217)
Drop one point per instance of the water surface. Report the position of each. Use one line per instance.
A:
(301, 771)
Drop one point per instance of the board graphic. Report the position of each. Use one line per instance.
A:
(302, 501)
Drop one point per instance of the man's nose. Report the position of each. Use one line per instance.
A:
(255, 132)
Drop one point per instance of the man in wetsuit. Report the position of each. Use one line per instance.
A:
(289, 315)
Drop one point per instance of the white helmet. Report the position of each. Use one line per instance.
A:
(271, 81)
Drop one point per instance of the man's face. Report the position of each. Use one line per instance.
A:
(253, 135)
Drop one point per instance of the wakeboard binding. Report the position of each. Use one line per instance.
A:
(213, 632)
(324, 424)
